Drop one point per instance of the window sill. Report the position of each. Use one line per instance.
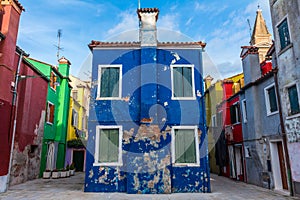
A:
(183, 98)
(186, 165)
(107, 164)
(108, 98)
(293, 116)
(285, 49)
(273, 113)
(49, 123)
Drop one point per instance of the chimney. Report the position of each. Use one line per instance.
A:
(148, 32)
(208, 81)
(227, 88)
(250, 62)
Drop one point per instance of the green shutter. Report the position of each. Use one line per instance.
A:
(109, 145)
(294, 101)
(272, 99)
(177, 82)
(187, 81)
(109, 86)
(185, 149)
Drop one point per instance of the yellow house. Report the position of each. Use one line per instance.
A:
(77, 123)
(213, 97)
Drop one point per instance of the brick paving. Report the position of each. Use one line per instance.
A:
(72, 188)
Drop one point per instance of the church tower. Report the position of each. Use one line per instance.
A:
(261, 37)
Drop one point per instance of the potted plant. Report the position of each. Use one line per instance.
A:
(63, 173)
(47, 174)
(72, 169)
(55, 174)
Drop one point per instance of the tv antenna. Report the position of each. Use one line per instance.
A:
(250, 29)
(59, 48)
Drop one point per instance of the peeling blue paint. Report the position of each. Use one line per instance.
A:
(147, 166)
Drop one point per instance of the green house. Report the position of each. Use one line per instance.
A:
(57, 110)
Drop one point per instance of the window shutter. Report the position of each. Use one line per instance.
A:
(178, 84)
(104, 146)
(294, 101)
(190, 148)
(187, 81)
(272, 99)
(114, 82)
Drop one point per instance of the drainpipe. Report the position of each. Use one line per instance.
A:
(15, 110)
(284, 138)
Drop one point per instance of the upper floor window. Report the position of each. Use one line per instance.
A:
(109, 82)
(50, 113)
(271, 100)
(185, 149)
(75, 95)
(183, 85)
(244, 110)
(235, 113)
(294, 100)
(214, 121)
(74, 121)
(284, 34)
(108, 151)
(220, 119)
(53, 79)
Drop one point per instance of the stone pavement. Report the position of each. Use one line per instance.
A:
(72, 188)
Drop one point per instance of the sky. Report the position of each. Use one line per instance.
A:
(222, 24)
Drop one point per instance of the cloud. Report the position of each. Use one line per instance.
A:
(128, 21)
(189, 21)
(169, 21)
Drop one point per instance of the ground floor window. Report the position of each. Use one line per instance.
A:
(185, 149)
(108, 146)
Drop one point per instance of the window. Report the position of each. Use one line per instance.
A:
(214, 121)
(294, 100)
(220, 119)
(284, 34)
(74, 118)
(108, 150)
(185, 149)
(50, 113)
(183, 82)
(109, 86)
(271, 100)
(244, 109)
(75, 95)
(53, 80)
(235, 113)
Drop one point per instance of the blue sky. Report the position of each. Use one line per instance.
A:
(222, 24)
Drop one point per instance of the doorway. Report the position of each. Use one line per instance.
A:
(278, 165)
(78, 160)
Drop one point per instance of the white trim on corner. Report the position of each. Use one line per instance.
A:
(99, 82)
(244, 110)
(195, 128)
(193, 82)
(96, 153)
(267, 100)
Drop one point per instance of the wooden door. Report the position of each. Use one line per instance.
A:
(282, 166)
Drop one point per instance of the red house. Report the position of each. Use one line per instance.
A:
(231, 138)
(22, 104)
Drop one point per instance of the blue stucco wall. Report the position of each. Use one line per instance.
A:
(146, 93)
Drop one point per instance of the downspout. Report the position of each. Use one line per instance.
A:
(15, 110)
(284, 138)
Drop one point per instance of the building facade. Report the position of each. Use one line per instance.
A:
(23, 93)
(57, 111)
(286, 24)
(77, 123)
(147, 131)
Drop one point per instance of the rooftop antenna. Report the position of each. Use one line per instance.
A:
(59, 34)
(139, 4)
(250, 29)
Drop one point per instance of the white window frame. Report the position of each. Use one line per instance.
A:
(244, 110)
(193, 82)
(277, 32)
(195, 128)
(267, 100)
(286, 87)
(48, 113)
(99, 82)
(236, 110)
(96, 154)
(214, 121)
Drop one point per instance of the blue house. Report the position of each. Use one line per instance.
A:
(147, 131)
